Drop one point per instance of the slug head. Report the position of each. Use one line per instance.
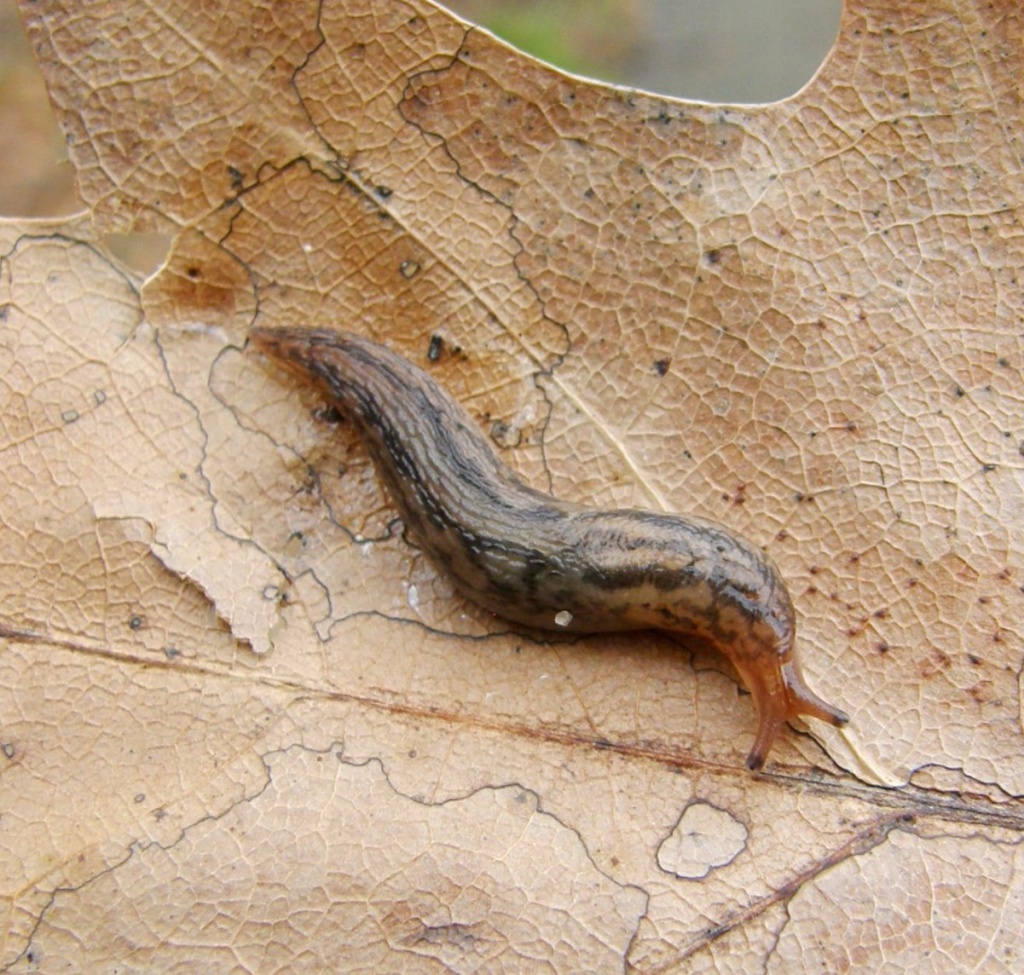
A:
(761, 645)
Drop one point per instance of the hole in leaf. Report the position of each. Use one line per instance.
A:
(36, 179)
(745, 51)
(141, 252)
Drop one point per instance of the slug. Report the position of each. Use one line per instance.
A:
(546, 563)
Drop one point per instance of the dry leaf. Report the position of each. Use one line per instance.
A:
(246, 727)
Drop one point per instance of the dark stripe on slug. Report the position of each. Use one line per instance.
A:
(463, 447)
(661, 577)
(525, 568)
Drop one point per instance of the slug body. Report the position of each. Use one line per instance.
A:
(553, 564)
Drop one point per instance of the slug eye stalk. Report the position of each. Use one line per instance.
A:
(779, 701)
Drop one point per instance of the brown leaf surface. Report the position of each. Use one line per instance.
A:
(245, 726)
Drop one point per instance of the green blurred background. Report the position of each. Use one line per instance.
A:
(711, 50)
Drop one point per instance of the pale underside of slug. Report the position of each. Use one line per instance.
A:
(553, 564)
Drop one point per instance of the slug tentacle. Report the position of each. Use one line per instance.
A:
(548, 563)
